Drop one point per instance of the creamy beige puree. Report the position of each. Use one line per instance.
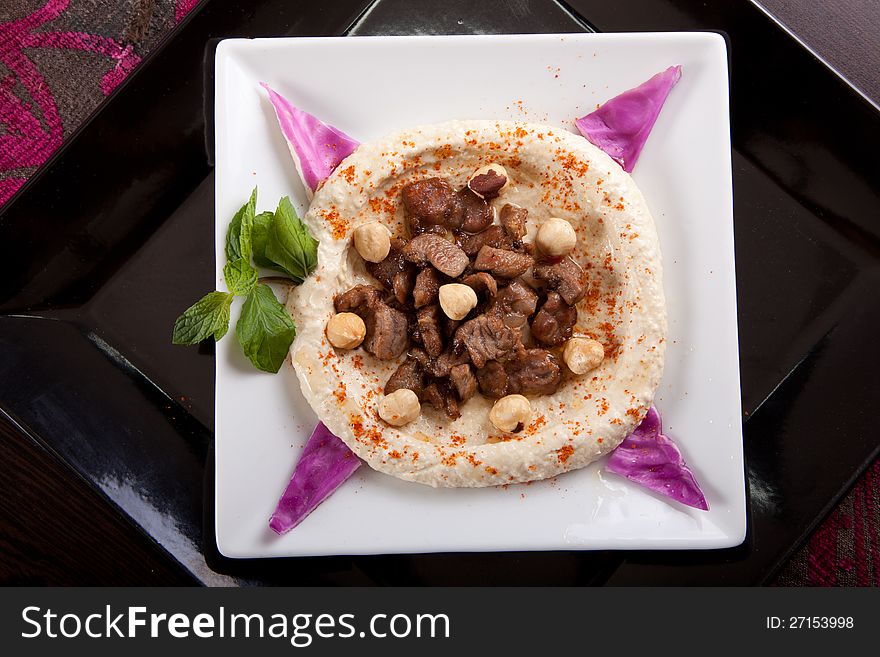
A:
(553, 173)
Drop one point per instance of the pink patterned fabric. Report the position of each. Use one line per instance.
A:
(845, 549)
(183, 8)
(32, 116)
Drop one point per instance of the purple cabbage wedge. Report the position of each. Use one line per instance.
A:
(621, 126)
(316, 148)
(651, 459)
(326, 462)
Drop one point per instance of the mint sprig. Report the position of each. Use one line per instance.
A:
(209, 316)
(238, 235)
(260, 237)
(265, 330)
(290, 245)
(240, 277)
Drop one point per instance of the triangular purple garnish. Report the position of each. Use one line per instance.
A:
(651, 459)
(621, 126)
(326, 462)
(316, 148)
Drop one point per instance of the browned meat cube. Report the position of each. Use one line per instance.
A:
(494, 236)
(555, 321)
(428, 200)
(513, 219)
(537, 372)
(515, 303)
(565, 276)
(428, 322)
(463, 381)
(492, 380)
(487, 338)
(481, 282)
(502, 263)
(387, 335)
(445, 256)
(426, 287)
(470, 213)
(409, 375)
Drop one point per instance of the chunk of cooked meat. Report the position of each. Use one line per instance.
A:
(481, 282)
(494, 236)
(488, 184)
(433, 396)
(387, 335)
(442, 254)
(394, 272)
(463, 381)
(409, 375)
(420, 356)
(426, 288)
(513, 219)
(515, 303)
(555, 321)
(428, 322)
(492, 380)
(441, 366)
(418, 227)
(439, 395)
(487, 338)
(429, 200)
(450, 326)
(502, 263)
(469, 212)
(402, 284)
(386, 331)
(565, 276)
(356, 297)
(536, 372)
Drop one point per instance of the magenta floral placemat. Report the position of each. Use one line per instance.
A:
(59, 59)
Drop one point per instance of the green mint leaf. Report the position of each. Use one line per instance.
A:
(240, 277)
(260, 237)
(206, 317)
(265, 329)
(290, 246)
(238, 236)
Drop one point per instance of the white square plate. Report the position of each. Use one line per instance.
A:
(369, 86)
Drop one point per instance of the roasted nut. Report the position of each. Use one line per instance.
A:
(373, 241)
(457, 300)
(489, 181)
(400, 407)
(346, 330)
(583, 354)
(511, 413)
(556, 237)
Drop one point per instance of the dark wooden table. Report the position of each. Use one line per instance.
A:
(57, 530)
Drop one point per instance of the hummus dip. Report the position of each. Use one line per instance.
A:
(552, 173)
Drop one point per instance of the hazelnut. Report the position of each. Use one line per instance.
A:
(400, 407)
(556, 237)
(511, 413)
(373, 241)
(346, 330)
(489, 181)
(583, 354)
(457, 300)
